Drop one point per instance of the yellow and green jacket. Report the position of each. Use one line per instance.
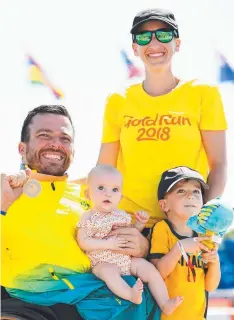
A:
(38, 241)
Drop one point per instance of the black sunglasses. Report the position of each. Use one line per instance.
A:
(164, 35)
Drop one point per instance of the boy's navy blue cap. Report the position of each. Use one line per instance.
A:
(171, 177)
(155, 14)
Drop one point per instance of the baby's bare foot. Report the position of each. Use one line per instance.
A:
(172, 304)
(137, 290)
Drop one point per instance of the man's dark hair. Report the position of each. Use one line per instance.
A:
(43, 109)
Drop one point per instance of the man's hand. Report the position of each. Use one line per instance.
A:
(136, 244)
(8, 194)
(18, 179)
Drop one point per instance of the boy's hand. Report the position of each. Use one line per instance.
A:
(142, 217)
(194, 245)
(211, 257)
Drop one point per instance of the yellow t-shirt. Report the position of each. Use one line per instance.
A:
(159, 133)
(38, 235)
(163, 240)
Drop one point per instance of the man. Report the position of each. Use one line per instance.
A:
(41, 261)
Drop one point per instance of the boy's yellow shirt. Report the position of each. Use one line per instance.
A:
(159, 133)
(193, 307)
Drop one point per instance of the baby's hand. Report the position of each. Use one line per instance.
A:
(18, 179)
(142, 217)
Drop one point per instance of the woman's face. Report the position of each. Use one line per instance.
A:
(156, 54)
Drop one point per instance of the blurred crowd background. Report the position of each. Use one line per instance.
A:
(76, 52)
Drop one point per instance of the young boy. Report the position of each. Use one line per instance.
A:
(180, 195)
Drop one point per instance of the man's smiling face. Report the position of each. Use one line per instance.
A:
(50, 148)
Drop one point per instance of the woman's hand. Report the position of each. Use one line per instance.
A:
(136, 244)
(115, 243)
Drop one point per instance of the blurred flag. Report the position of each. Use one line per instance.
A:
(133, 71)
(226, 72)
(38, 76)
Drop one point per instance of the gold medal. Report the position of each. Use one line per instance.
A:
(32, 188)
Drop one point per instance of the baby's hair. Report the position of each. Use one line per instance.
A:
(103, 168)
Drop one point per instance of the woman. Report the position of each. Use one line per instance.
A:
(162, 122)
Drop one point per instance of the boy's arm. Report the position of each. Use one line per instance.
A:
(165, 259)
(162, 256)
(213, 276)
(213, 273)
(166, 264)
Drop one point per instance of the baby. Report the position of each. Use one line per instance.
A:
(108, 261)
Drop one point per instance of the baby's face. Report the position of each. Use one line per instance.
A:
(105, 191)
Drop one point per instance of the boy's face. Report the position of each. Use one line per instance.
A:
(184, 200)
(105, 191)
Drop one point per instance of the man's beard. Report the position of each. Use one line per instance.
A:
(52, 168)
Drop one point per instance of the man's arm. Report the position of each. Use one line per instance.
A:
(215, 146)
(8, 194)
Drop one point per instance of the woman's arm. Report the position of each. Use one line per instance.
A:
(215, 146)
(109, 153)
